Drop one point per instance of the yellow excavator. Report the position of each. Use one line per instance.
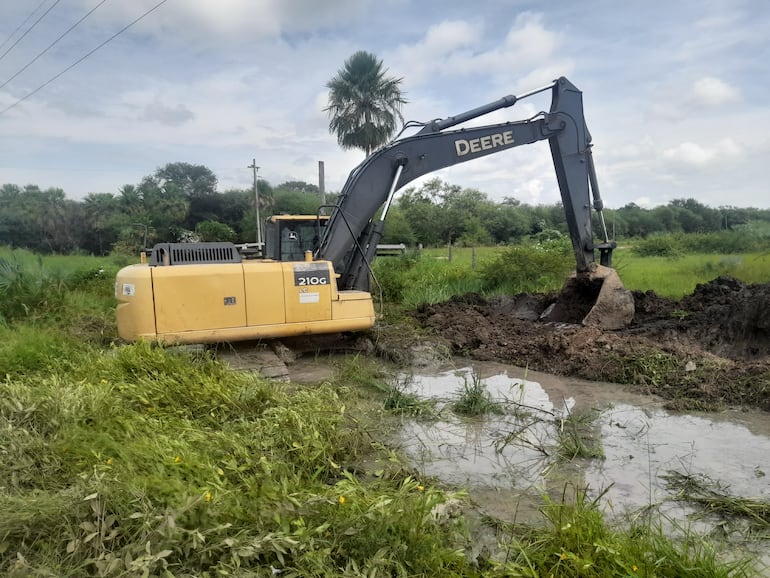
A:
(314, 274)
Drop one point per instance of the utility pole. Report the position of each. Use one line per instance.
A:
(321, 185)
(255, 168)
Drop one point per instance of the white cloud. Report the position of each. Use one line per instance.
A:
(444, 38)
(713, 91)
(528, 53)
(209, 21)
(169, 115)
(528, 46)
(694, 154)
(442, 43)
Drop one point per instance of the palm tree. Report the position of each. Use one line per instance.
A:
(364, 105)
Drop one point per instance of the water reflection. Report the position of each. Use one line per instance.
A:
(518, 450)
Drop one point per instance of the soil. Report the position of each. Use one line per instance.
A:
(707, 350)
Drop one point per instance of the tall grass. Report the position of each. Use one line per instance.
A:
(578, 542)
(70, 297)
(429, 278)
(414, 280)
(27, 289)
(742, 240)
(142, 461)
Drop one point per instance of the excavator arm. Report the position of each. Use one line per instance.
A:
(351, 237)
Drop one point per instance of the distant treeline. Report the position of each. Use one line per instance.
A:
(180, 201)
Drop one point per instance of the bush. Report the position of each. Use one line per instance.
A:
(659, 246)
(520, 269)
(413, 280)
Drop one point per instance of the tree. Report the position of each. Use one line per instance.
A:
(166, 207)
(192, 180)
(103, 222)
(215, 231)
(364, 105)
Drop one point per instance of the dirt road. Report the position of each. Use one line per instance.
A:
(708, 350)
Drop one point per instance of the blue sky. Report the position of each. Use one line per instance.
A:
(675, 92)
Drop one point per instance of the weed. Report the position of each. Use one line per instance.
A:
(474, 398)
(659, 246)
(27, 290)
(139, 461)
(680, 314)
(577, 541)
(646, 366)
(714, 499)
(577, 436)
(401, 401)
(361, 371)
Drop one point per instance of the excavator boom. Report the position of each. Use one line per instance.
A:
(350, 239)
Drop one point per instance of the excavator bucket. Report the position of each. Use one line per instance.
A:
(595, 299)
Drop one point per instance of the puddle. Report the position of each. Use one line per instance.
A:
(509, 461)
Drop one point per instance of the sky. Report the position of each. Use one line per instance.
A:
(675, 93)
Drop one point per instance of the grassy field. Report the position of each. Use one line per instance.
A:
(676, 277)
(133, 460)
(435, 278)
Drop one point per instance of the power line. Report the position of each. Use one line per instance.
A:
(70, 29)
(23, 22)
(82, 58)
(28, 30)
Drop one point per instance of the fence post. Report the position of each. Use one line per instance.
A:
(450, 251)
(473, 258)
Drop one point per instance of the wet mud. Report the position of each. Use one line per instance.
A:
(709, 350)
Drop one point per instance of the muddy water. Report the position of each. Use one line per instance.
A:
(510, 461)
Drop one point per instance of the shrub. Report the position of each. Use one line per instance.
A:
(659, 246)
(529, 268)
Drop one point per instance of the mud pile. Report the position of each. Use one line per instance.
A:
(709, 349)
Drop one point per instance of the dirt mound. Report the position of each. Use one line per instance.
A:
(710, 348)
(725, 317)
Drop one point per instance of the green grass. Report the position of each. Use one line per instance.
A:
(676, 277)
(749, 515)
(463, 256)
(578, 436)
(414, 280)
(145, 461)
(140, 460)
(74, 294)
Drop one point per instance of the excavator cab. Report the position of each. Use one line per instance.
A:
(289, 237)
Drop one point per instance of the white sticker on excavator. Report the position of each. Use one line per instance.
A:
(129, 289)
(309, 297)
